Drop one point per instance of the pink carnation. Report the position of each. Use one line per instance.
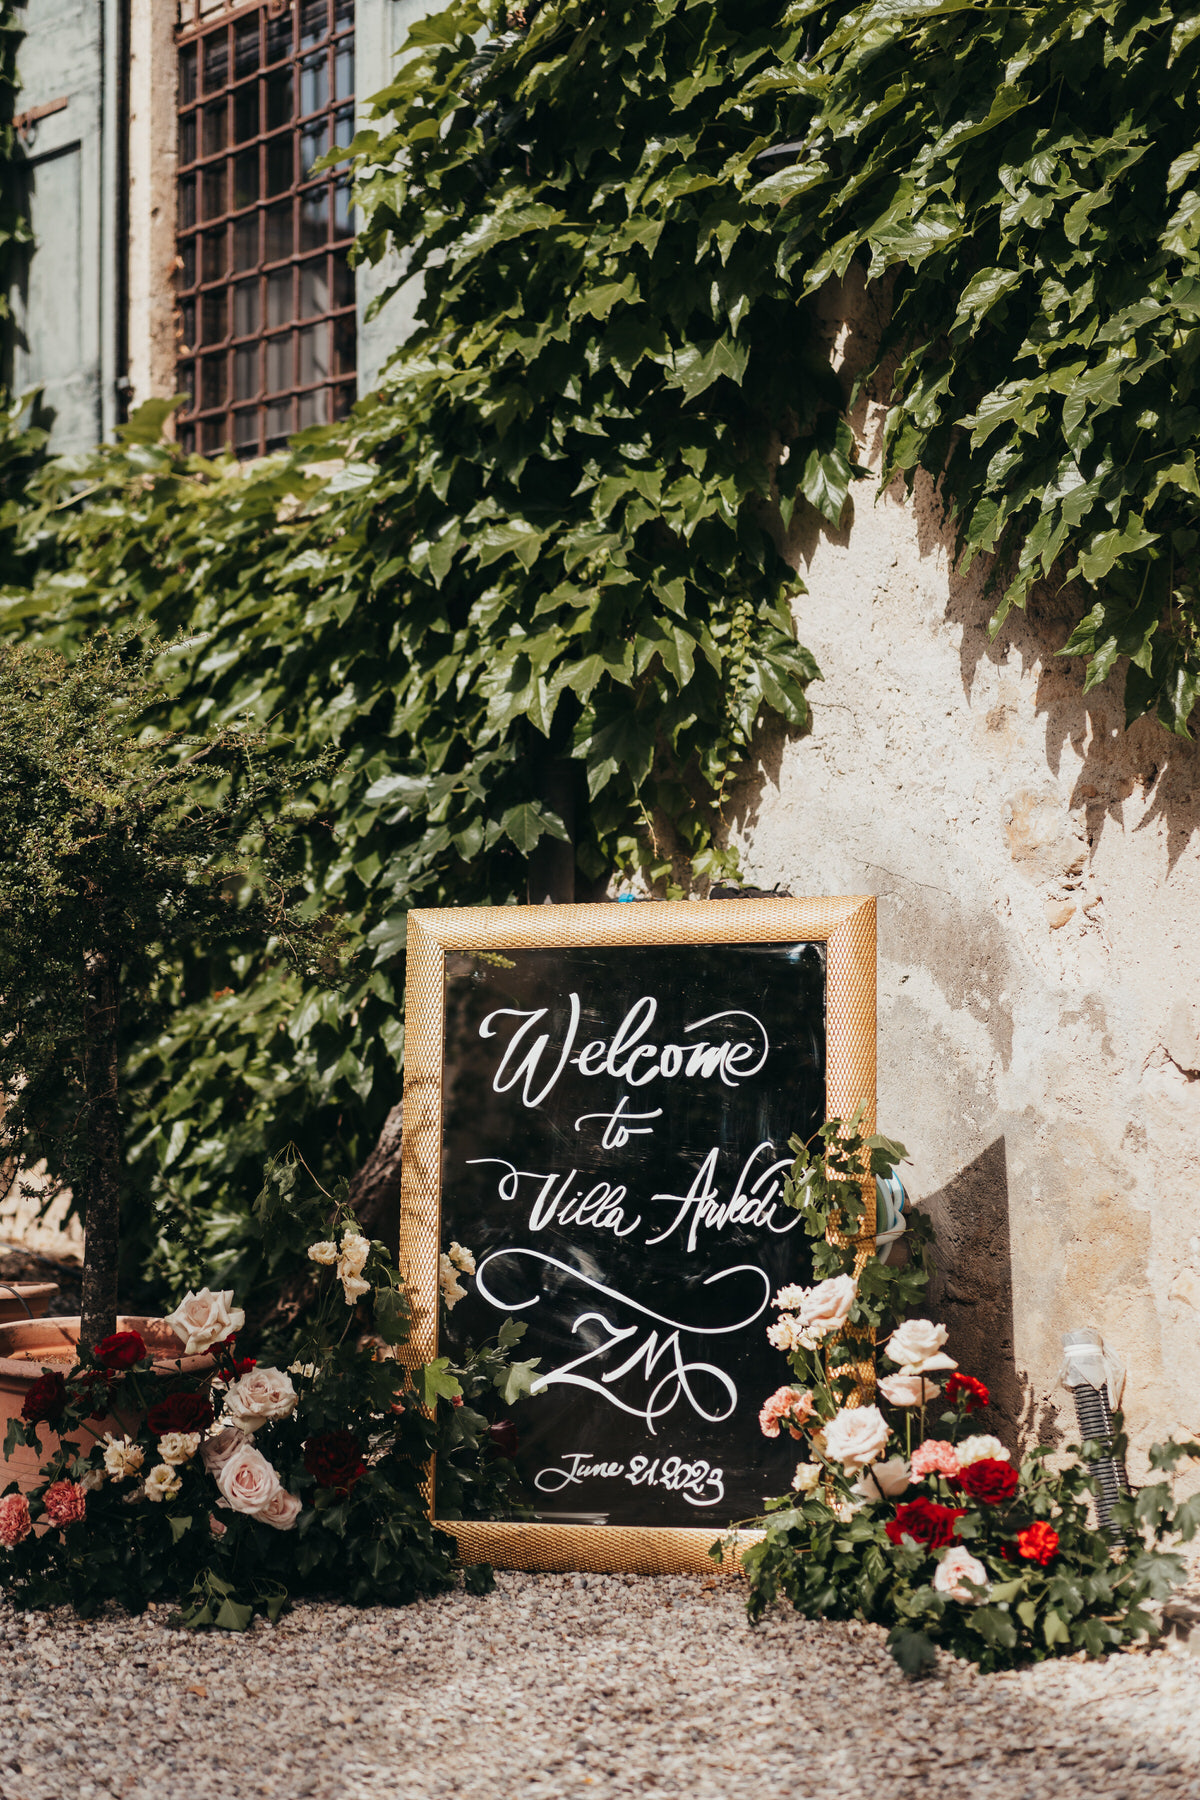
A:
(65, 1502)
(934, 1457)
(788, 1406)
(15, 1522)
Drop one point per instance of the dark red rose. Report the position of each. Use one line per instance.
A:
(334, 1460)
(503, 1437)
(1038, 1543)
(240, 1365)
(989, 1481)
(927, 1522)
(179, 1412)
(45, 1399)
(121, 1350)
(972, 1393)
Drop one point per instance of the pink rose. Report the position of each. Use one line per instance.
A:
(788, 1406)
(15, 1522)
(956, 1567)
(65, 1502)
(247, 1482)
(216, 1451)
(282, 1511)
(934, 1457)
(856, 1436)
(908, 1390)
(883, 1481)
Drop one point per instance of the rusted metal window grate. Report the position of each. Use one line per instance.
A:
(266, 295)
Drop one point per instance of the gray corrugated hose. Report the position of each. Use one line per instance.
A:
(1096, 1377)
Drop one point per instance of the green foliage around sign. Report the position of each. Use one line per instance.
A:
(1030, 176)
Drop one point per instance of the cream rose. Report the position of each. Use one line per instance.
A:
(247, 1481)
(220, 1446)
(162, 1483)
(122, 1457)
(917, 1347)
(856, 1436)
(324, 1252)
(883, 1480)
(281, 1512)
(178, 1446)
(974, 1449)
(955, 1568)
(204, 1319)
(826, 1307)
(462, 1259)
(354, 1287)
(806, 1478)
(352, 1257)
(908, 1390)
(257, 1396)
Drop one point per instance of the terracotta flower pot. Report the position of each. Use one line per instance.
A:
(30, 1348)
(25, 1299)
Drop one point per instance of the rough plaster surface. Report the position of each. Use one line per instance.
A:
(1038, 875)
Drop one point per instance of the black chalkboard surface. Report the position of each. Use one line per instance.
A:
(614, 1127)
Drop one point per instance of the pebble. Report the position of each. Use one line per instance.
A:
(559, 1686)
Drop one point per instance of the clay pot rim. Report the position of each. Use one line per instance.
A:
(29, 1369)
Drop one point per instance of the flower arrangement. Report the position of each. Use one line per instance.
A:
(297, 1470)
(902, 1510)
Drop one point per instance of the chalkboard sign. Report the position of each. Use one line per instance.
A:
(597, 1105)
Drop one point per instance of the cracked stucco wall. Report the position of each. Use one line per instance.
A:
(1038, 875)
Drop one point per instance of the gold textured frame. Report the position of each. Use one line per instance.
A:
(847, 929)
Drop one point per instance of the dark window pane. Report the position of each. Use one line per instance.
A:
(314, 218)
(343, 400)
(314, 83)
(214, 128)
(245, 308)
(187, 439)
(245, 47)
(245, 430)
(279, 36)
(245, 372)
(213, 201)
(187, 258)
(214, 255)
(343, 280)
(343, 127)
(314, 354)
(343, 65)
(214, 313)
(314, 142)
(279, 99)
(187, 75)
(345, 337)
(279, 423)
(279, 298)
(245, 179)
(314, 288)
(245, 113)
(314, 22)
(187, 138)
(279, 164)
(187, 326)
(314, 408)
(187, 202)
(185, 381)
(212, 381)
(216, 61)
(212, 436)
(279, 363)
(343, 13)
(343, 223)
(279, 231)
(245, 242)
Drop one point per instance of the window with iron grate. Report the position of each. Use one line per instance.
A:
(266, 295)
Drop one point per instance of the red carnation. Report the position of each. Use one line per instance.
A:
(121, 1350)
(927, 1522)
(179, 1412)
(972, 1393)
(989, 1481)
(1038, 1543)
(45, 1399)
(334, 1460)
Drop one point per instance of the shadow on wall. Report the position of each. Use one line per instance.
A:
(972, 1291)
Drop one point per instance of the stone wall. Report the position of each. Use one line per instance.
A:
(1038, 875)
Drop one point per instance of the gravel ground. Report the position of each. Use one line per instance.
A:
(561, 1686)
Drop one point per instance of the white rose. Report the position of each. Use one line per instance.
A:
(352, 1257)
(204, 1319)
(122, 1457)
(908, 1390)
(282, 1511)
(806, 1478)
(856, 1436)
(247, 1481)
(178, 1446)
(974, 1449)
(826, 1307)
(462, 1259)
(956, 1567)
(917, 1347)
(220, 1445)
(257, 1396)
(162, 1483)
(354, 1287)
(883, 1480)
(324, 1252)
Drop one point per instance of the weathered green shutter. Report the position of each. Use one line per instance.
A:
(66, 303)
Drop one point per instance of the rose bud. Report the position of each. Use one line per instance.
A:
(502, 1436)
